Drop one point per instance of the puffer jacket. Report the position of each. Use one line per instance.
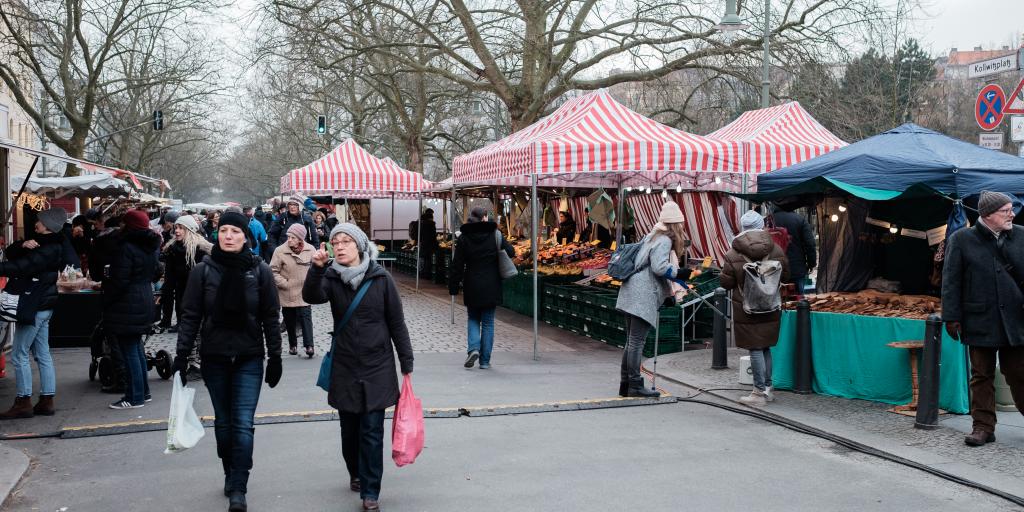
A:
(475, 265)
(200, 304)
(34, 270)
(290, 273)
(752, 331)
(177, 267)
(128, 301)
(363, 366)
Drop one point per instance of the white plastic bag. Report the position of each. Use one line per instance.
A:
(184, 429)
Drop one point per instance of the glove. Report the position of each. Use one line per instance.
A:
(273, 375)
(953, 329)
(180, 365)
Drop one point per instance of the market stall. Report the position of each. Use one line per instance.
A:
(885, 206)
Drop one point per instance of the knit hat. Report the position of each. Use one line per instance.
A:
(297, 230)
(297, 199)
(990, 202)
(671, 214)
(53, 219)
(135, 220)
(751, 220)
(235, 219)
(362, 242)
(188, 223)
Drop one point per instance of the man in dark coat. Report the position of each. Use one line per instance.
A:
(982, 305)
(424, 233)
(801, 252)
(475, 270)
(294, 215)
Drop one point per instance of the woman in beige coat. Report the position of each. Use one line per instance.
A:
(290, 264)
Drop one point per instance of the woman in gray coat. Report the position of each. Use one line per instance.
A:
(645, 291)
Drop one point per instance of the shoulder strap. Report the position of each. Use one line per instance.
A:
(352, 308)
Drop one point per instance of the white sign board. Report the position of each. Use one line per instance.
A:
(993, 66)
(991, 140)
(1017, 128)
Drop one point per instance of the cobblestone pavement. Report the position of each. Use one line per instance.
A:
(429, 322)
(695, 368)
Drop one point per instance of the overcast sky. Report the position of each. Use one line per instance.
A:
(964, 24)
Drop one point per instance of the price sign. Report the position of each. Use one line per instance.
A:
(614, 245)
(576, 238)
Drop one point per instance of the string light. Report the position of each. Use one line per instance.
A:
(894, 229)
(648, 190)
(835, 218)
(679, 187)
(842, 208)
(664, 193)
(629, 189)
(718, 179)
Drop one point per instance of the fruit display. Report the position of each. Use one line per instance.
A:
(874, 303)
(607, 281)
(598, 260)
(560, 270)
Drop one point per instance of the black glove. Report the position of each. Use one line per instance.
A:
(273, 375)
(953, 329)
(180, 365)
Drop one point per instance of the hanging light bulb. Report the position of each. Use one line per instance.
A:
(648, 190)
(894, 229)
(679, 187)
(842, 208)
(835, 218)
(664, 193)
(718, 179)
(629, 189)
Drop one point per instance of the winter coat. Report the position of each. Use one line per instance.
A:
(258, 236)
(475, 265)
(279, 230)
(200, 304)
(760, 330)
(176, 267)
(128, 302)
(979, 292)
(42, 263)
(429, 234)
(104, 249)
(567, 231)
(290, 273)
(363, 364)
(645, 291)
(801, 252)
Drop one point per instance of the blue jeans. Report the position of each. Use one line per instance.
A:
(234, 386)
(481, 332)
(362, 447)
(761, 367)
(135, 368)
(34, 338)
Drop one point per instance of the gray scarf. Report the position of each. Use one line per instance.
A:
(353, 276)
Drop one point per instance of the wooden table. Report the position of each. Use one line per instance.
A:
(913, 347)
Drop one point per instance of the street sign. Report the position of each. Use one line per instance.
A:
(1015, 101)
(1017, 128)
(991, 140)
(988, 109)
(993, 66)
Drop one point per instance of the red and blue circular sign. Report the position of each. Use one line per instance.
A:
(988, 109)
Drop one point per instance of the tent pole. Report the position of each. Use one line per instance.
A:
(391, 236)
(452, 229)
(536, 250)
(619, 216)
(419, 241)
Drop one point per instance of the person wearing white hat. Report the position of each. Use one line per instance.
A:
(643, 293)
(181, 254)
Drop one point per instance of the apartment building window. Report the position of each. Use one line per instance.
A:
(5, 122)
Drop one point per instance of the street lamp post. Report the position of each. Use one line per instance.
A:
(732, 22)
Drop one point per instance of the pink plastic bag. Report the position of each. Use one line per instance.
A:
(407, 426)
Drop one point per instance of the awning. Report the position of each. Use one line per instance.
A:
(93, 185)
(351, 171)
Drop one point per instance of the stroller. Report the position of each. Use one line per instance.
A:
(108, 365)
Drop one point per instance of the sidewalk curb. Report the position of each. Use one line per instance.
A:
(14, 466)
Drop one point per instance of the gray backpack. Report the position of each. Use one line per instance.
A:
(761, 286)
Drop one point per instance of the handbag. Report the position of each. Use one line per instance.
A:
(323, 380)
(506, 269)
(9, 306)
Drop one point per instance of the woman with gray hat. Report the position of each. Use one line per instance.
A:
(363, 380)
(643, 293)
(33, 267)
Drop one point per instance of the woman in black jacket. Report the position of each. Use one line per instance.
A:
(475, 268)
(41, 258)
(363, 380)
(231, 296)
(128, 301)
(186, 249)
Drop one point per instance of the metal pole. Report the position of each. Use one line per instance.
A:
(802, 379)
(654, 372)
(928, 377)
(719, 350)
(392, 236)
(765, 82)
(451, 211)
(536, 250)
(619, 216)
(419, 241)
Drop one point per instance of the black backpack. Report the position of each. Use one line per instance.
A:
(623, 263)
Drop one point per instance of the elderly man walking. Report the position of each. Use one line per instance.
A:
(983, 306)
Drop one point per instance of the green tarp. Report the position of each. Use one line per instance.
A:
(851, 360)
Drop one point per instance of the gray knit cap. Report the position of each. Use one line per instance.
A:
(363, 243)
(53, 219)
(751, 220)
(990, 202)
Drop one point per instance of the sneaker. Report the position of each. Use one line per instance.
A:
(149, 398)
(471, 359)
(485, 366)
(769, 394)
(755, 398)
(125, 404)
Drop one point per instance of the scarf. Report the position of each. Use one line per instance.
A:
(353, 276)
(230, 304)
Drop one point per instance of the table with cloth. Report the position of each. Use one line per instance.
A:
(851, 359)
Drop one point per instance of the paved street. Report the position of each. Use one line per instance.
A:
(679, 456)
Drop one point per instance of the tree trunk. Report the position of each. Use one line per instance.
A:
(414, 146)
(76, 149)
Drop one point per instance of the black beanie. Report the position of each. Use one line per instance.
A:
(235, 219)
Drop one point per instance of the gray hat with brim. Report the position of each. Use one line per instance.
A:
(53, 219)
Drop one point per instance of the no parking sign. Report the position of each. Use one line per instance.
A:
(988, 109)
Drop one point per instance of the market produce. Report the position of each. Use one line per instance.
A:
(874, 303)
(560, 270)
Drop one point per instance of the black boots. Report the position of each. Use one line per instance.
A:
(236, 502)
(623, 388)
(637, 389)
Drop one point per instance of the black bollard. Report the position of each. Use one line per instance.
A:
(802, 377)
(928, 375)
(719, 350)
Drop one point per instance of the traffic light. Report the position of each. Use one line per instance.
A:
(158, 120)
(321, 125)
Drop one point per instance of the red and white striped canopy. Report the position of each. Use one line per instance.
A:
(351, 171)
(596, 134)
(711, 219)
(775, 137)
